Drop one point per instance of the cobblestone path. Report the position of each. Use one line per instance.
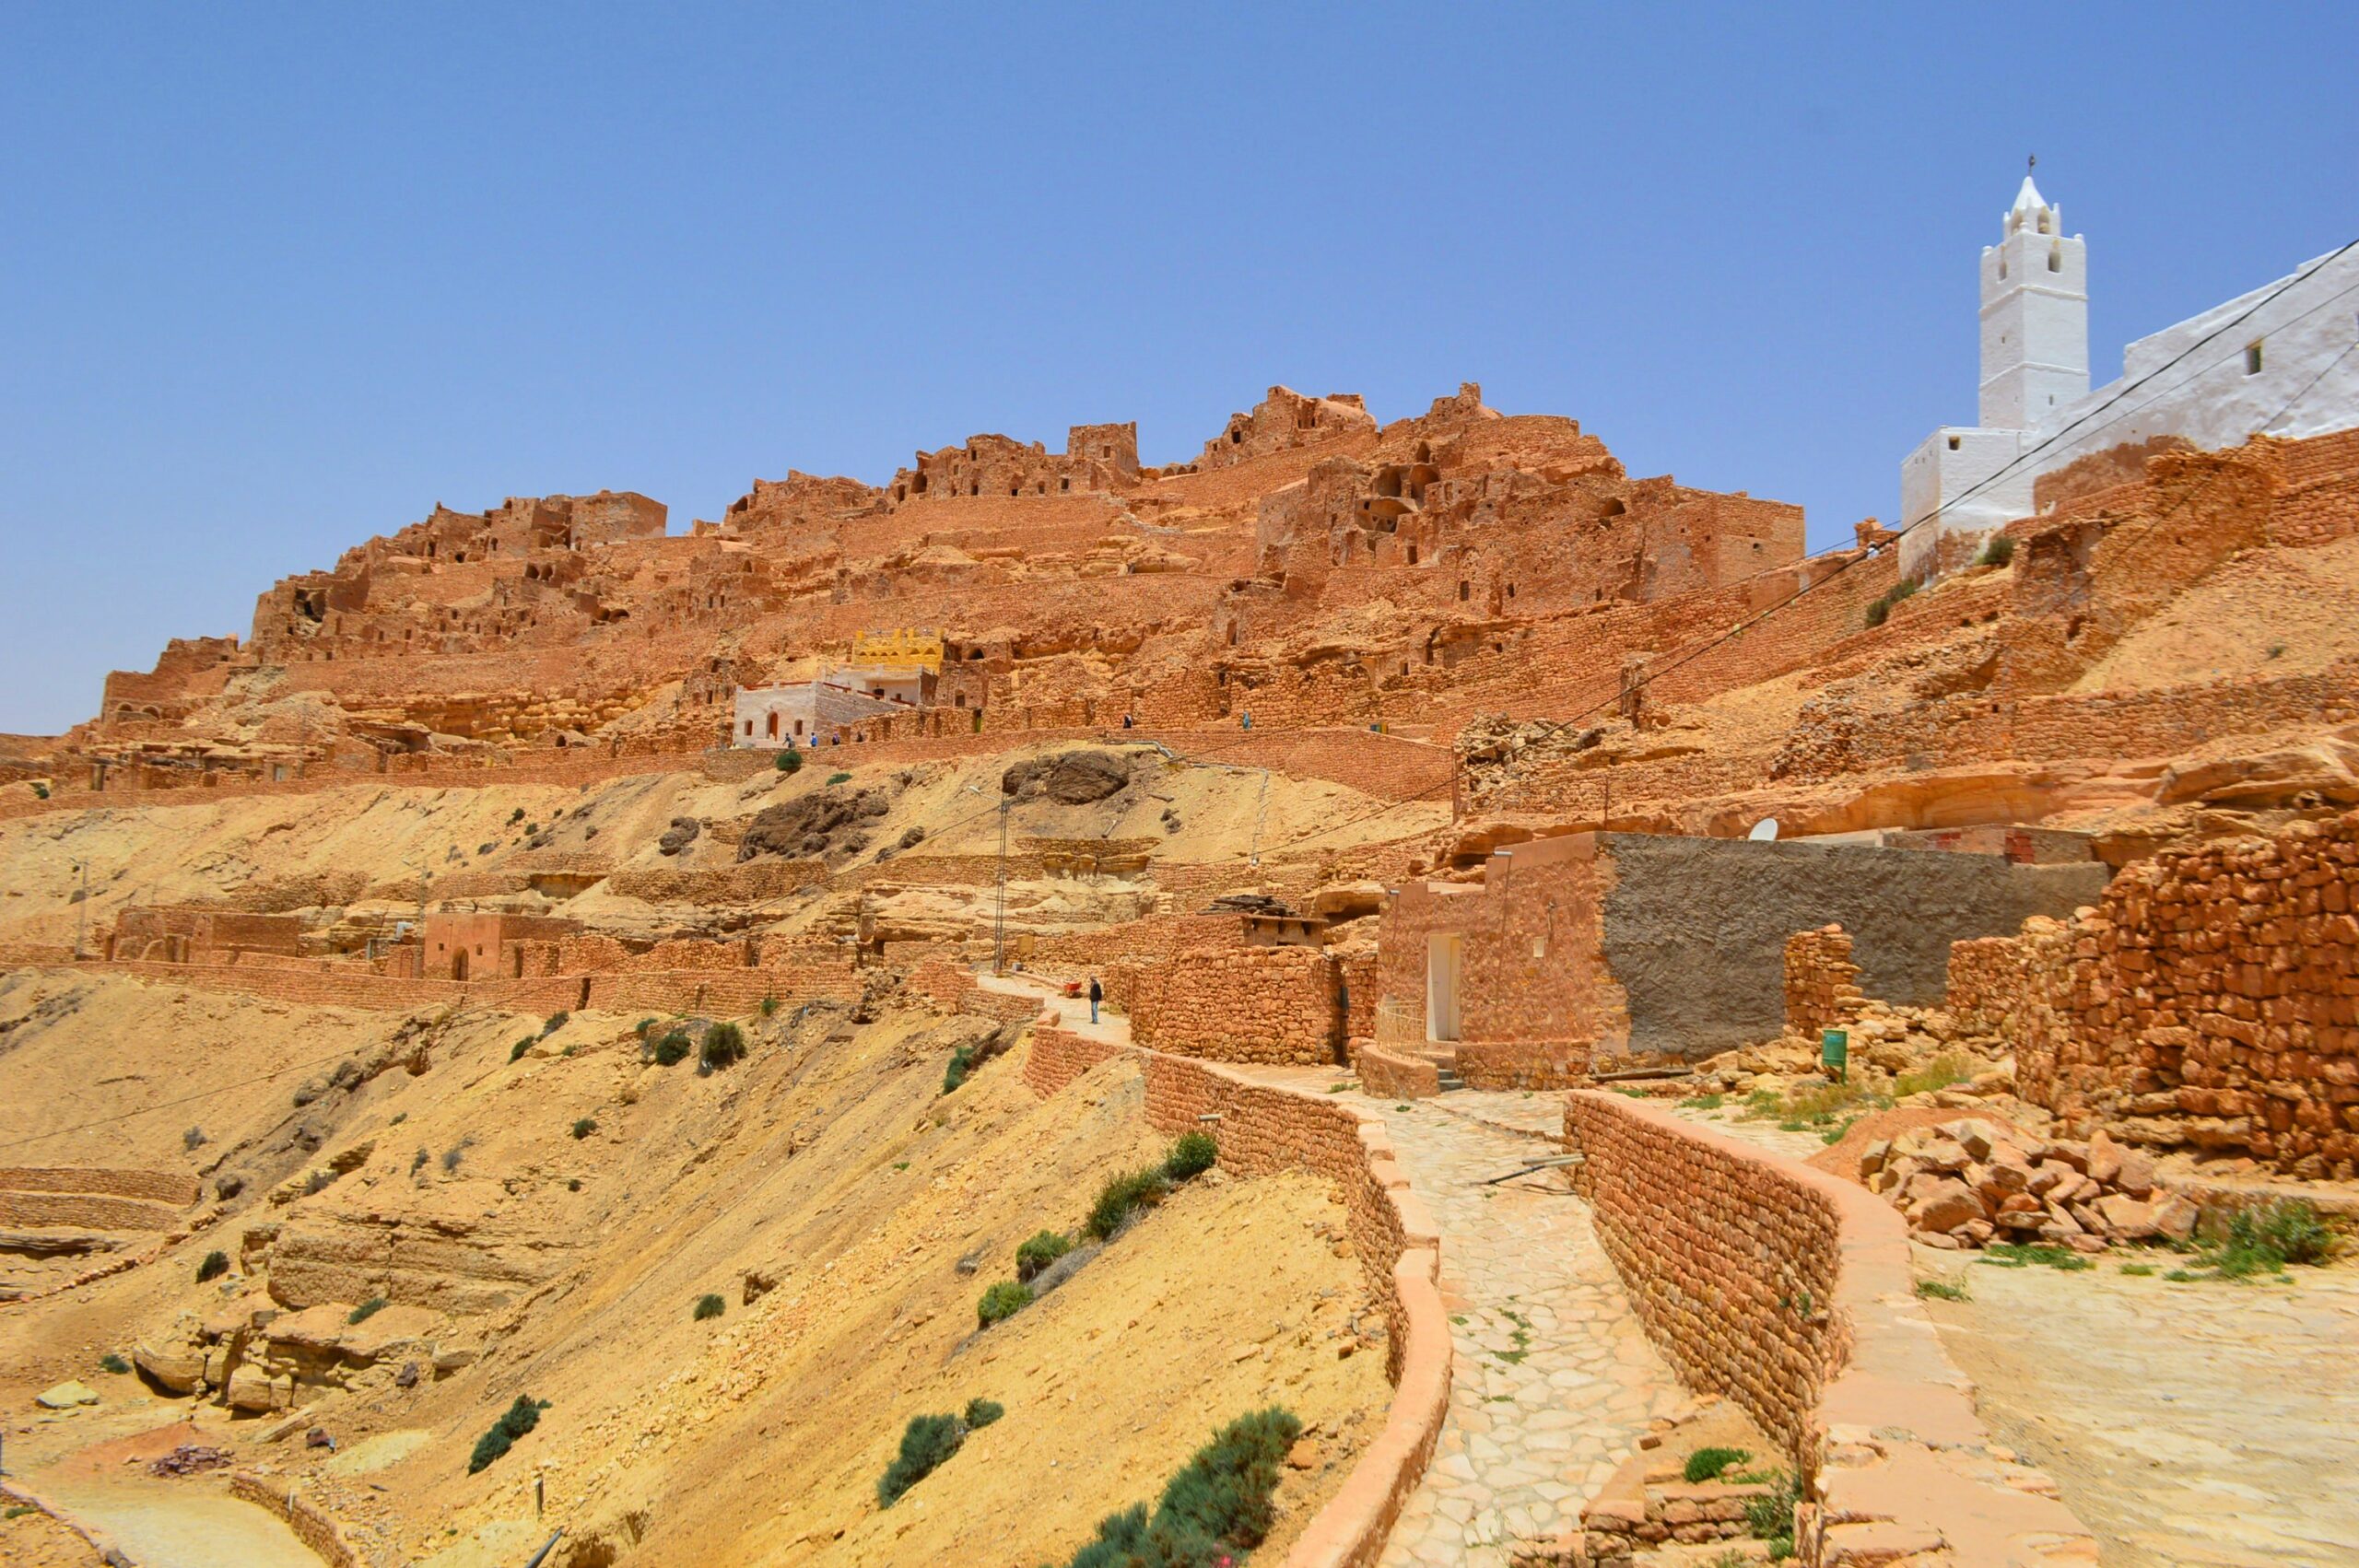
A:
(1553, 1380)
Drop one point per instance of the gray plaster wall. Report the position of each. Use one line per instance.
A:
(1695, 928)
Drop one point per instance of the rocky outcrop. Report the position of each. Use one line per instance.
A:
(1966, 1183)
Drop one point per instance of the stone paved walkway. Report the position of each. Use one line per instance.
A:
(1553, 1380)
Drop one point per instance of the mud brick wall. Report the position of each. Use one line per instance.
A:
(154, 1186)
(716, 991)
(86, 1210)
(1788, 1290)
(755, 880)
(1821, 983)
(2211, 999)
(1263, 1130)
(1393, 1074)
(312, 1525)
(1986, 982)
(1276, 1005)
(941, 982)
(1731, 1264)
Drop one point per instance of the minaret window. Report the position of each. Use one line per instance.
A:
(2252, 358)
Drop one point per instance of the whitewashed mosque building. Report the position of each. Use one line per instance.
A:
(2289, 366)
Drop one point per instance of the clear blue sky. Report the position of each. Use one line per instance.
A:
(275, 278)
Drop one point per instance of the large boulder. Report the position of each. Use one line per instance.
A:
(1070, 779)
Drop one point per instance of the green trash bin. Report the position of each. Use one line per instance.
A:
(1834, 1051)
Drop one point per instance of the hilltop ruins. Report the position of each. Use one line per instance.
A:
(1621, 967)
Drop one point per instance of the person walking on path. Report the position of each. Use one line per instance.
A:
(1096, 995)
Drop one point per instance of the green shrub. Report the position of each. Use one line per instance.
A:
(1879, 608)
(980, 1413)
(553, 1022)
(962, 1062)
(672, 1048)
(835, 778)
(583, 1127)
(215, 1264)
(1770, 1516)
(1905, 588)
(723, 1044)
(2023, 1254)
(1997, 553)
(2289, 1227)
(708, 1306)
(1222, 1496)
(516, 1052)
(1191, 1155)
(366, 1310)
(790, 761)
(41, 792)
(1121, 1197)
(644, 1026)
(1002, 1301)
(522, 1417)
(516, 815)
(770, 1006)
(1706, 1464)
(926, 1441)
(1943, 1070)
(114, 1363)
(1044, 1248)
(1940, 1290)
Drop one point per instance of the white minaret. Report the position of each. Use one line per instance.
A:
(2035, 316)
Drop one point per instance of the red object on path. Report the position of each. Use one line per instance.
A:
(1072, 988)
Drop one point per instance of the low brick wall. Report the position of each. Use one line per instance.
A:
(1272, 1005)
(342, 985)
(1394, 1075)
(311, 1526)
(1788, 1290)
(156, 1187)
(86, 1211)
(1263, 1128)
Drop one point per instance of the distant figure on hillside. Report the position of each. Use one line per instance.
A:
(1096, 995)
(1244, 719)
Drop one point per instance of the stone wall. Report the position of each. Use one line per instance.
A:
(312, 1525)
(1276, 1005)
(1986, 982)
(1821, 983)
(1788, 1290)
(153, 1187)
(85, 1211)
(1393, 1074)
(2210, 1000)
(325, 985)
(1262, 1129)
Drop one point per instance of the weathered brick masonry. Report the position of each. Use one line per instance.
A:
(2210, 1000)
(1273, 1005)
(1821, 983)
(1788, 1290)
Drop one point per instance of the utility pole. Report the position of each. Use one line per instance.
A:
(999, 922)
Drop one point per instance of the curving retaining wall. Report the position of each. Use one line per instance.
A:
(311, 1526)
(1788, 1290)
(1263, 1128)
(1394, 1074)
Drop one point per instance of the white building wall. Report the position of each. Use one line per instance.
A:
(2307, 383)
(2291, 370)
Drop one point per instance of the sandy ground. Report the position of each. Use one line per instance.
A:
(2274, 611)
(830, 1159)
(2190, 1425)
